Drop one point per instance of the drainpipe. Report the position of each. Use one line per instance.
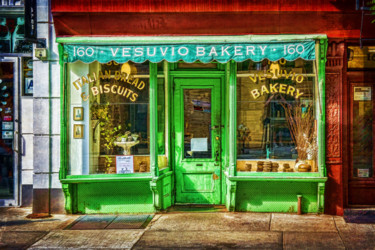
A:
(50, 160)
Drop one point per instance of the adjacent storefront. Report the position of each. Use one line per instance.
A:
(361, 79)
(150, 123)
(16, 86)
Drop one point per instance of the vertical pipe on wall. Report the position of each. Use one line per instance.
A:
(153, 120)
(63, 162)
(50, 133)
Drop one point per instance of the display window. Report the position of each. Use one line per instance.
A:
(109, 125)
(277, 104)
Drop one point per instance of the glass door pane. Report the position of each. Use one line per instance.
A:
(197, 123)
(362, 132)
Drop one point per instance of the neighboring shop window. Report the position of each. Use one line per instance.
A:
(12, 36)
(7, 113)
(109, 118)
(362, 142)
(361, 58)
(362, 113)
(276, 116)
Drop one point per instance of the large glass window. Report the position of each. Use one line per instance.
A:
(109, 118)
(276, 116)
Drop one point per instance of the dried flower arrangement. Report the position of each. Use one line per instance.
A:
(301, 123)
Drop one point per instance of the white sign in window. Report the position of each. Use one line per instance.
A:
(362, 94)
(363, 172)
(199, 144)
(124, 164)
(7, 126)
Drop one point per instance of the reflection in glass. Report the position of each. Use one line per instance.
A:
(362, 138)
(197, 123)
(275, 113)
(115, 102)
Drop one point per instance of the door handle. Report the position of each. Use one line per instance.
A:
(217, 155)
(15, 142)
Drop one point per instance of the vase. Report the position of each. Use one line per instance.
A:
(302, 166)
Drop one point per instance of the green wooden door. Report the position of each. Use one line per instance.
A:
(197, 140)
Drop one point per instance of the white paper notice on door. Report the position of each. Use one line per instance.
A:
(199, 144)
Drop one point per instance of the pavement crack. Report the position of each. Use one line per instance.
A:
(338, 231)
(269, 222)
(148, 227)
(153, 221)
(36, 240)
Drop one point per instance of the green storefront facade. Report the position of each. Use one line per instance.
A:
(152, 122)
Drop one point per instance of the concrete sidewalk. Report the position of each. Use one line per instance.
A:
(189, 230)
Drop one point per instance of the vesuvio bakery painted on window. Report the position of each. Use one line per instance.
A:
(153, 117)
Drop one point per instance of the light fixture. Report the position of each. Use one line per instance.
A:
(275, 70)
(128, 69)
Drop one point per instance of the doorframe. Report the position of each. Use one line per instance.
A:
(16, 131)
(222, 73)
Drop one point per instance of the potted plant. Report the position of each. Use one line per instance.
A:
(108, 132)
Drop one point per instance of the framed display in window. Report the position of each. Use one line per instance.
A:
(78, 113)
(78, 131)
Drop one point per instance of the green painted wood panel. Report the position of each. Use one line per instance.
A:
(198, 180)
(271, 196)
(114, 197)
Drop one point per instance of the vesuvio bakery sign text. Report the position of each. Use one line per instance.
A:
(192, 52)
(184, 51)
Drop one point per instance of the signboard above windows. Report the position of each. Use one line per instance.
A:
(189, 53)
(361, 58)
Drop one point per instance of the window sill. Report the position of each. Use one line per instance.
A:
(107, 178)
(279, 176)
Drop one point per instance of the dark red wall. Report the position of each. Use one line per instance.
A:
(336, 18)
(334, 24)
(200, 6)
